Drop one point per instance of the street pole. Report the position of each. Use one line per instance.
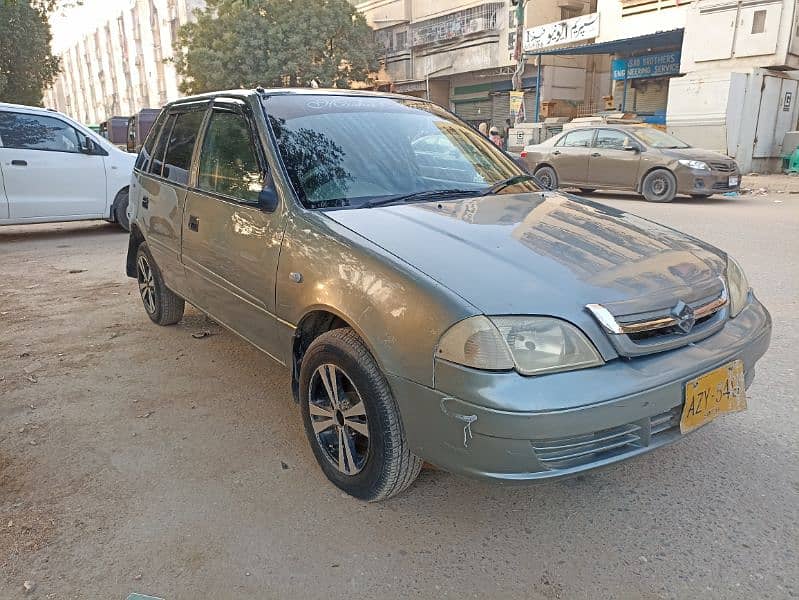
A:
(518, 53)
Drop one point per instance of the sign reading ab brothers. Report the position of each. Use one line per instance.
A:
(651, 65)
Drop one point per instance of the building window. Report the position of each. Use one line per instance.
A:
(569, 12)
(759, 21)
(401, 41)
(456, 24)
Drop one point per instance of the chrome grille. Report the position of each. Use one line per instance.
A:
(581, 450)
(724, 167)
(658, 330)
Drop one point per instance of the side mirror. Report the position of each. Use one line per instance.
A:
(88, 146)
(632, 148)
(267, 198)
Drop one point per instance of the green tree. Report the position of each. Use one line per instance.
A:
(245, 43)
(27, 66)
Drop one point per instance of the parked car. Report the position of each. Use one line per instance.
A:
(54, 169)
(460, 316)
(631, 157)
(139, 126)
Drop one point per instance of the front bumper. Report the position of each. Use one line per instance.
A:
(503, 426)
(690, 181)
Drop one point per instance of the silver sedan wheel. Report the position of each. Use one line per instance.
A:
(338, 418)
(146, 283)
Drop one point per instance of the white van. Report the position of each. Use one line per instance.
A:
(54, 169)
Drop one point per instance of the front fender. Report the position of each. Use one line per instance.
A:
(399, 312)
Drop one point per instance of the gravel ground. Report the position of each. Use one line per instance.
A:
(138, 458)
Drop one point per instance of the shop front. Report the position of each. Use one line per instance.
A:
(641, 83)
(489, 102)
(641, 71)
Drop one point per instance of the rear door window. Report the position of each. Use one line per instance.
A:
(229, 163)
(157, 161)
(181, 146)
(143, 160)
(37, 132)
(577, 139)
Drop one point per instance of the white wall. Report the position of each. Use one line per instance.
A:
(614, 26)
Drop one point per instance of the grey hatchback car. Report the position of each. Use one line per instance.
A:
(445, 310)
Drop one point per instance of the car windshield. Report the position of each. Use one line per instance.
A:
(658, 139)
(360, 151)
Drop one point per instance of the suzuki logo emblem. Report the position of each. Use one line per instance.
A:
(684, 315)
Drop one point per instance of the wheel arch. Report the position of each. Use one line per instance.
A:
(313, 323)
(134, 241)
(639, 187)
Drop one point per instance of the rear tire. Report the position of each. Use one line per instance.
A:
(548, 177)
(162, 305)
(352, 420)
(659, 186)
(121, 210)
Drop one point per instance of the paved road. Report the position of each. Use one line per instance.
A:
(177, 466)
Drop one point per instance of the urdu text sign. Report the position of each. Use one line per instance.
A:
(651, 65)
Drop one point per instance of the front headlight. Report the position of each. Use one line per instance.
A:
(738, 286)
(697, 165)
(531, 345)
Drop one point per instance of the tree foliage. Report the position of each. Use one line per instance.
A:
(27, 66)
(245, 43)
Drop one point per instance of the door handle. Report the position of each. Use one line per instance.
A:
(145, 202)
(556, 152)
(194, 223)
(595, 154)
(19, 163)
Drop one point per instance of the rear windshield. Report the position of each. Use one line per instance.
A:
(346, 151)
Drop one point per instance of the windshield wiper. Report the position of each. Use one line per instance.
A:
(420, 196)
(501, 185)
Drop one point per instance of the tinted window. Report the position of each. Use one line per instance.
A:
(577, 139)
(157, 162)
(142, 161)
(37, 132)
(228, 160)
(181, 145)
(347, 151)
(611, 138)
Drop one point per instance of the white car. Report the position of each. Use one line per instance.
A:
(54, 169)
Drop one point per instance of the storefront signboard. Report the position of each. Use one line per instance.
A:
(662, 64)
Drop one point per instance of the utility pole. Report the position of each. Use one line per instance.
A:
(518, 55)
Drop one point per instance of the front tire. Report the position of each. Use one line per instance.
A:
(548, 177)
(659, 186)
(162, 305)
(121, 210)
(352, 420)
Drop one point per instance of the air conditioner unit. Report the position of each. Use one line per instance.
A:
(475, 25)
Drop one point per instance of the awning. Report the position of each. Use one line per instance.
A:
(648, 42)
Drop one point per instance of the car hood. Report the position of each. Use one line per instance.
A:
(694, 154)
(543, 253)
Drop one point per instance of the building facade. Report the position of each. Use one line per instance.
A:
(123, 65)
(460, 55)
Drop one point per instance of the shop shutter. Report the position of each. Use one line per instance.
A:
(500, 109)
(474, 112)
(645, 96)
(651, 95)
(529, 106)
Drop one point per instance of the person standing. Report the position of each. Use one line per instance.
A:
(494, 136)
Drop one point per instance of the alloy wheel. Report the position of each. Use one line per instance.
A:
(659, 185)
(146, 284)
(338, 418)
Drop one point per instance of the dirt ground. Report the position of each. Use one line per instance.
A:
(135, 458)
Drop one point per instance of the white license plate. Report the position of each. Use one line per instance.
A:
(733, 181)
